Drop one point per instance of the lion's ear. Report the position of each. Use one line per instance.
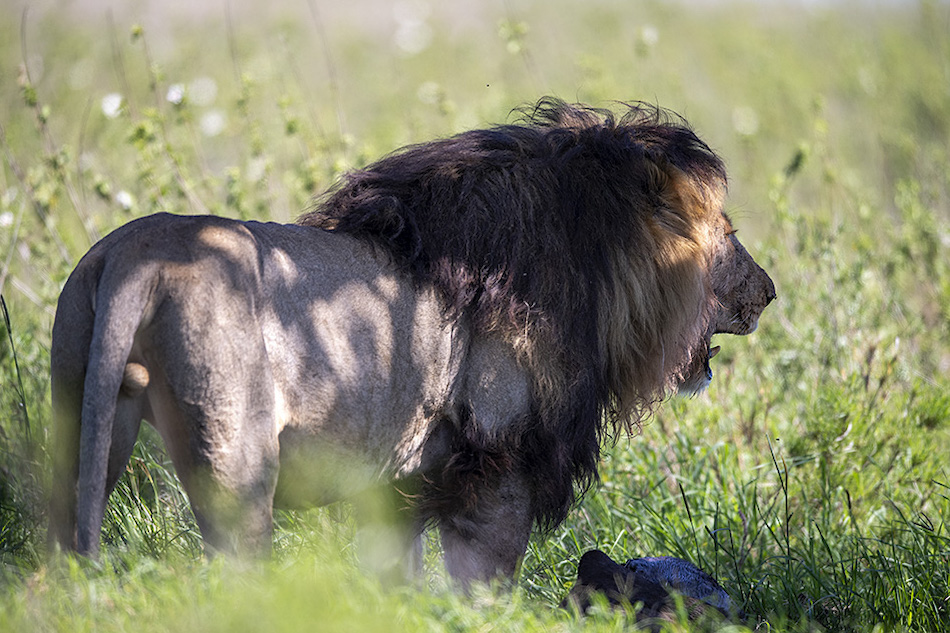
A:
(668, 185)
(687, 194)
(658, 178)
(678, 203)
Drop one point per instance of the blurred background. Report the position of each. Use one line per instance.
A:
(254, 93)
(833, 118)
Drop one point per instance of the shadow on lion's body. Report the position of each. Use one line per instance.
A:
(467, 317)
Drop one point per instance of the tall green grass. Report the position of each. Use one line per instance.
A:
(811, 479)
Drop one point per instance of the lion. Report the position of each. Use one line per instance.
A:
(465, 320)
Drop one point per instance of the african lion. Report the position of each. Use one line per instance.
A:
(465, 318)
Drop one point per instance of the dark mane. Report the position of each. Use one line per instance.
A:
(523, 229)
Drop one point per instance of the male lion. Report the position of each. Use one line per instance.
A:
(468, 317)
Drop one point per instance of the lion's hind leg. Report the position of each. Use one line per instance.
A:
(212, 400)
(67, 403)
(95, 424)
(227, 461)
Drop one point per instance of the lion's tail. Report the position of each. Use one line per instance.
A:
(93, 334)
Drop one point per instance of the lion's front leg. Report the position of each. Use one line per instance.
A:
(389, 532)
(488, 543)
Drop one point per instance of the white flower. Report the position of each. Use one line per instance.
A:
(868, 80)
(256, 168)
(9, 195)
(125, 199)
(112, 105)
(429, 92)
(212, 123)
(175, 94)
(649, 35)
(413, 33)
(86, 161)
(745, 121)
(413, 37)
(6, 219)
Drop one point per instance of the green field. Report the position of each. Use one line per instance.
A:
(811, 478)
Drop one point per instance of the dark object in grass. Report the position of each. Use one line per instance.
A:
(653, 582)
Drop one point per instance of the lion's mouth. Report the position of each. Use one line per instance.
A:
(699, 372)
(711, 352)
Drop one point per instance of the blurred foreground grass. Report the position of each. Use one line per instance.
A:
(811, 478)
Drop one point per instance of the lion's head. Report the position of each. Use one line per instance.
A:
(740, 291)
(595, 246)
(702, 265)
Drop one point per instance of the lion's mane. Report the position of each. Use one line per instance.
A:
(575, 236)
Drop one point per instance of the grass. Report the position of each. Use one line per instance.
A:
(811, 479)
